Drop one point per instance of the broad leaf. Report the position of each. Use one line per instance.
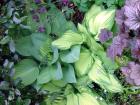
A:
(27, 70)
(84, 64)
(71, 56)
(23, 46)
(53, 72)
(69, 39)
(69, 74)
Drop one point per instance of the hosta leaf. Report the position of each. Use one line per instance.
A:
(51, 87)
(71, 56)
(38, 39)
(27, 70)
(69, 75)
(53, 72)
(44, 76)
(55, 55)
(104, 19)
(69, 39)
(107, 62)
(23, 46)
(30, 45)
(104, 79)
(83, 65)
(91, 14)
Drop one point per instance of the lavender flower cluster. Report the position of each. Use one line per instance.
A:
(128, 37)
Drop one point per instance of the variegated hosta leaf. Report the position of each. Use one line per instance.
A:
(104, 79)
(91, 14)
(104, 19)
(83, 65)
(69, 39)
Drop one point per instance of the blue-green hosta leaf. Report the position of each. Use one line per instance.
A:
(91, 14)
(27, 70)
(55, 55)
(71, 56)
(38, 39)
(69, 74)
(69, 39)
(53, 72)
(105, 80)
(23, 46)
(84, 64)
(105, 19)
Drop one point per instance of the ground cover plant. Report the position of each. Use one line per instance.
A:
(69, 52)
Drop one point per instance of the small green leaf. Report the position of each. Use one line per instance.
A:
(71, 56)
(27, 70)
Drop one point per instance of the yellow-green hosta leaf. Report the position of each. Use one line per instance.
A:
(104, 79)
(69, 39)
(92, 13)
(104, 19)
(83, 65)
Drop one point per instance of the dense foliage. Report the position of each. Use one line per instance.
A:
(69, 52)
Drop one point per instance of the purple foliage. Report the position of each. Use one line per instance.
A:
(132, 13)
(135, 48)
(132, 73)
(117, 47)
(105, 35)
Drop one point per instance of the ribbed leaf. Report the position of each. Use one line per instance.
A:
(27, 70)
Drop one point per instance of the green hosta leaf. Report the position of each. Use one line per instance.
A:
(24, 45)
(27, 70)
(82, 29)
(55, 55)
(53, 72)
(104, 79)
(104, 19)
(38, 39)
(71, 56)
(51, 87)
(91, 14)
(54, 86)
(46, 50)
(84, 64)
(69, 75)
(69, 39)
(107, 62)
